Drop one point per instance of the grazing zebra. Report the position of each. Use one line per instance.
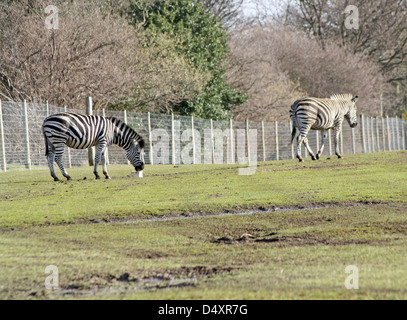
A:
(81, 132)
(321, 114)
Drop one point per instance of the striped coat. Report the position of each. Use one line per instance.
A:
(321, 114)
(81, 132)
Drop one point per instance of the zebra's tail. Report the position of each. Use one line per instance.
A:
(293, 133)
(293, 121)
(46, 142)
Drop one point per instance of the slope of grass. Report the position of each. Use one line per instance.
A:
(32, 198)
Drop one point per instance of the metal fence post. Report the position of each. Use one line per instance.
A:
(125, 121)
(212, 143)
(292, 143)
(232, 141)
(397, 133)
(150, 139)
(377, 134)
(373, 134)
(193, 140)
(107, 148)
(388, 133)
(383, 135)
(330, 143)
(353, 141)
(277, 146)
(362, 122)
(125, 116)
(172, 139)
(393, 135)
(91, 150)
(263, 142)
(3, 146)
(69, 149)
(27, 136)
(403, 134)
(368, 133)
(248, 140)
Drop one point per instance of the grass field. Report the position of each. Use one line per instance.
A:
(176, 234)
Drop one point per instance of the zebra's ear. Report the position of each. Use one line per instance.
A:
(355, 99)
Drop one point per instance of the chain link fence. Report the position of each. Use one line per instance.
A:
(175, 139)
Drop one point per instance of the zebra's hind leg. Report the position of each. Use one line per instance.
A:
(50, 158)
(300, 140)
(311, 153)
(58, 159)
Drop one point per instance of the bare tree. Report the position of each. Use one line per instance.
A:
(228, 12)
(276, 66)
(256, 70)
(93, 53)
(382, 32)
(381, 35)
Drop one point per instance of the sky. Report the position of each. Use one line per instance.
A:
(250, 6)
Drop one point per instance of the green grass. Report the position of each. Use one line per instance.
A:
(96, 233)
(32, 198)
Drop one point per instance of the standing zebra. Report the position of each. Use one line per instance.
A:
(81, 132)
(322, 114)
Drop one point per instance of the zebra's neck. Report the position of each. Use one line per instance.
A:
(345, 107)
(122, 138)
(123, 135)
(343, 102)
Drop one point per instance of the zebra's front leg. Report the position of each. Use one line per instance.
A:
(324, 136)
(337, 132)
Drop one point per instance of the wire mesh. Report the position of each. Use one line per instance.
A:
(176, 139)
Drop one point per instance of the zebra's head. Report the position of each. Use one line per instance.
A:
(135, 154)
(351, 114)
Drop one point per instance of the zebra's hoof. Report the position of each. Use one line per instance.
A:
(56, 179)
(301, 160)
(68, 178)
(317, 156)
(97, 177)
(313, 158)
(107, 178)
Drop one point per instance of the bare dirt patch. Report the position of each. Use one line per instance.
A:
(99, 285)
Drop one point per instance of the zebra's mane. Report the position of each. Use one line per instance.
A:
(119, 122)
(342, 97)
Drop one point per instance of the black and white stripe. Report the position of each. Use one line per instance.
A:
(81, 132)
(322, 114)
